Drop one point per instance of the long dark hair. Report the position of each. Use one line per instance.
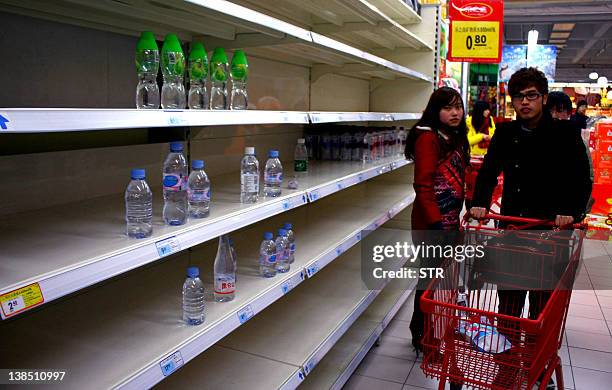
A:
(478, 115)
(431, 118)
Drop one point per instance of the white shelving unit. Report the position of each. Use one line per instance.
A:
(131, 351)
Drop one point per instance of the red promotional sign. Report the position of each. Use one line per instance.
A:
(476, 28)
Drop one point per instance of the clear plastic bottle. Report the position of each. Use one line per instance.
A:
(300, 164)
(193, 298)
(147, 66)
(336, 148)
(368, 147)
(240, 73)
(224, 272)
(282, 252)
(345, 153)
(198, 191)
(198, 75)
(403, 137)
(218, 77)
(291, 239)
(267, 256)
(173, 69)
(138, 206)
(273, 175)
(356, 149)
(249, 176)
(175, 186)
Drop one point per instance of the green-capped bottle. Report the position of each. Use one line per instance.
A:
(218, 77)
(173, 68)
(147, 66)
(198, 74)
(240, 74)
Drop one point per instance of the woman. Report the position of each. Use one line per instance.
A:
(439, 146)
(480, 128)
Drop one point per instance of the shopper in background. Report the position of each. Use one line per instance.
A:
(580, 118)
(480, 128)
(559, 105)
(439, 147)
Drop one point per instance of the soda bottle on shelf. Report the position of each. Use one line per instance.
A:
(273, 175)
(175, 186)
(240, 73)
(300, 157)
(198, 75)
(224, 272)
(173, 69)
(198, 190)
(138, 206)
(218, 77)
(282, 252)
(147, 66)
(267, 256)
(193, 298)
(291, 239)
(249, 177)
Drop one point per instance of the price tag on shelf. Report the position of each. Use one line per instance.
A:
(168, 246)
(286, 287)
(309, 366)
(286, 205)
(171, 363)
(4, 121)
(21, 299)
(245, 314)
(310, 271)
(314, 195)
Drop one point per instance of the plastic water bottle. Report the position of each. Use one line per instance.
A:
(291, 239)
(357, 149)
(147, 66)
(218, 77)
(240, 74)
(300, 164)
(173, 68)
(175, 186)
(326, 147)
(225, 272)
(346, 142)
(138, 206)
(198, 74)
(193, 297)
(249, 176)
(198, 191)
(282, 252)
(273, 175)
(267, 256)
(335, 147)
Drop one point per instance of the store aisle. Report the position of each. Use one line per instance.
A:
(586, 353)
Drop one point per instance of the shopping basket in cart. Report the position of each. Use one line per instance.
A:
(472, 337)
(471, 173)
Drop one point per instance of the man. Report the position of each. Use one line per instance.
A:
(559, 105)
(580, 118)
(546, 173)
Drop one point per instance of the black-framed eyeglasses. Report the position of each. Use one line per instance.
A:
(531, 96)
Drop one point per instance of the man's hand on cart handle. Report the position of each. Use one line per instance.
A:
(478, 212)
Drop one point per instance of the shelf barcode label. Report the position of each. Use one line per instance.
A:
(314, 195)
(286, 287)
(168, 246)
(171, 363)
(286, 205)
(312, 269)
(245, 314)
(21, 299)
(340, 186)
(360, 178)
(4, 120)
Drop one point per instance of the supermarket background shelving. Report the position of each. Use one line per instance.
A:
(111, 310)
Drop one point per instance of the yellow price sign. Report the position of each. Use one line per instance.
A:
(475, 39)
(21, 299)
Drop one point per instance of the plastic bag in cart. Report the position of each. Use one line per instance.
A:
(484, 336)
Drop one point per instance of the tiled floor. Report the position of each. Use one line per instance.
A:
(586, 353)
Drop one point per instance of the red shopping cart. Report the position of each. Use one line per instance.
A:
(487, 342)
(471, 173)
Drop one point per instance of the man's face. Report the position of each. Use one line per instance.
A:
(561, 114)
(529, 103)
(581, 109)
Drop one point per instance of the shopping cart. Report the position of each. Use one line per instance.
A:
(516, 350)
(471, 172)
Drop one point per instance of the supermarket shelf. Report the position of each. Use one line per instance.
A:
(99, 249)
(331, 117)
(406, 116)
(132, 350)
(397, 10)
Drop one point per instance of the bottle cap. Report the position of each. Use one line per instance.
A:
(240, 66)
(146, 41)
(138, 173)
(288, 226)
(172, 43)
(249, 150)
(219, 56)
(268, 236)
(197, 164)
(193, 272)
(301, 141)
(198, 52)
(176, 146)
(282, 232)
(273, 154)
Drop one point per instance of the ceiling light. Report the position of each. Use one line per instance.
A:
(563, 26)
(593, 75)
(603, 80)
(532, 39)
(559, 35)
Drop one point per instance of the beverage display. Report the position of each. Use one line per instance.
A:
(198, 75)
(147, 66)
(173, 68)
(218, 77)
(138, 206)
(240, 72)
(175, 186)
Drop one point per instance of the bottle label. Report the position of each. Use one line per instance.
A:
(199, 196)
(276, 178)
(225, 284)
(249, 182)
(300, 165)
(268, 259)
(240, 72)
(173, 63)
(173, 182)
(218, 74)
(198, 70)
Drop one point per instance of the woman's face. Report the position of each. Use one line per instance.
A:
(486, 113)
(451, 114)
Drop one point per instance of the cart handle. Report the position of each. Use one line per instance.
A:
(527, 221)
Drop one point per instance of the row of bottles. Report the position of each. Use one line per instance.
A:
(276, 256)
(173, 63)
